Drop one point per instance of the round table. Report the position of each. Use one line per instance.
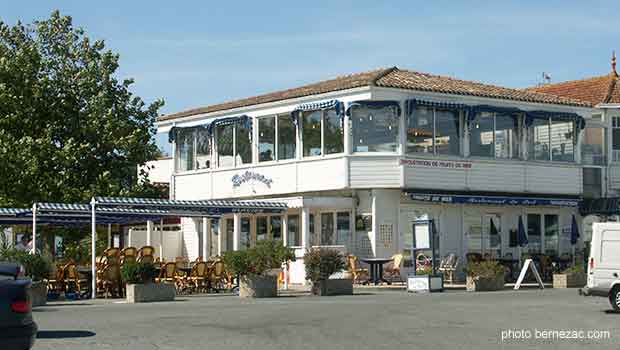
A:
(376, 269)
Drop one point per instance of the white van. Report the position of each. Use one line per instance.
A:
(604, 263)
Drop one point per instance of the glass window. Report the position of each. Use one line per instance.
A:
(327, 228)
(203, 149)
(343, 228)
(287, 140)
(593, 146)
(420, 131)
(215, 232)
(275, 222)
(552, 235)
(447, 132)
(534, 231)
(507, 138)
(185, 149)
(481, 136)
(314, 238)
(562, 141)
(225, 145)
(230, 227)
(375, 129)
(266, 139)
(538, 139)
(333, 134)
(261, 228)
(243, 148)
(294, 233)
(311, 130)
(245, 240)
(163, 146)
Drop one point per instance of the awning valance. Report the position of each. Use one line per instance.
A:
(175, 130)
(375, 105)
(492, 200)
(411, 104)
(580, 122)
(245, 120)
(602, 206)
(337, 105)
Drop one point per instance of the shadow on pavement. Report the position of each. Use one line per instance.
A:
(64, 334)
(612, 312)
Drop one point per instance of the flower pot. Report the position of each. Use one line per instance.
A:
(569, 280)
(150, 292)
(340, 286)
(38, 293)
(484, 284)
(258, 286)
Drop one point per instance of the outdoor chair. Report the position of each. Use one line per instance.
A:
(218, 278)
(72, 279)
(129, 254)
(198, 277)
(56, 284)
(392, 270)
(356, 272)
(448, 267)
(145, 254)
(110, 283)
(169, 274)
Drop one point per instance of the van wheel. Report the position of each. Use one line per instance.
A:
(614, 298)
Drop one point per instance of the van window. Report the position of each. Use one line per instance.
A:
(610, 252)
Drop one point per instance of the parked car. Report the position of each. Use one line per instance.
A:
(17, 327)
(604, 263)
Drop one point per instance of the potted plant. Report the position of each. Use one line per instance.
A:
(36, 266)
(258, 267)
(574, 277)
(322, 263)
(484, 276)
(140, 288)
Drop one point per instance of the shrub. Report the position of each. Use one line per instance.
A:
(36, 265)
(579, 268)
(484, 269)
(266, 255)
(322, 263)
(138, 272)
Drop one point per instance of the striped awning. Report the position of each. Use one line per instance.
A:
(243, 119)
(411, 104)
(319, 106)
(216, 206)
(375, 105)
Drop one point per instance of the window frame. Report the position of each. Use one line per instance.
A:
(520, 130)
(300, 123)
(459, 114)
(575, 140)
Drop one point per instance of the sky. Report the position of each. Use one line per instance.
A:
(197, 53)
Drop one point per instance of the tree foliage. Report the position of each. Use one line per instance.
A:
(69, 128)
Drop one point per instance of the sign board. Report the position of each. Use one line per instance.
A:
(438, 164)
(424, 283)
(422, 237)
(529, 264)
(493, 200)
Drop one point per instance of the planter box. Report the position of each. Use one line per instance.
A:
(38, 293)
(258, 287)
(339, 286)
(479, 284)
(569, 280)
(150, 292)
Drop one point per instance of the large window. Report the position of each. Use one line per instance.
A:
(245, 240)
(203, 149)
(343, 228)
(294, 233)
(534, 233)
(230, 227)
(185, 149)
(266, 139)
(275, 228)
(261, 228)
(327, 229)
(433, 131)
(322, 133)
(234, 144)
(287, 139)
(552, 235)
(593, 146)
(375, 129)
(552, 140)
(494, 135)
(215, 232)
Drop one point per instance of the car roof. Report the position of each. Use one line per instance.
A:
(9, 269)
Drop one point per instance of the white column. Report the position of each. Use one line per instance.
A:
(305, 228)
(236, 230)
(33, 250)
(206, 239)
(149, 231)
(220, 227)
(285, 229)
(129, 237)
(109, 235)
(93, 251)
(161, 239)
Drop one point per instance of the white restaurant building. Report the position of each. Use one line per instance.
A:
(360, 157)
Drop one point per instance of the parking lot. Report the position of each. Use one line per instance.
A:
(371, 320)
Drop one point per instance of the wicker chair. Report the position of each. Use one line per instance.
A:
(72, 279)
(218, 278)
(448, 267)
(198, 277)
(392, 271)
(111, 283)
(129, 254)
(111, 256)
(169, 274)
(57, 283)
(355, 270)
(145, 254)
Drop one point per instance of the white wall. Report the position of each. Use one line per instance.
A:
(159, 170)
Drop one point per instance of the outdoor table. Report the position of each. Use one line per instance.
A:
(376, 269)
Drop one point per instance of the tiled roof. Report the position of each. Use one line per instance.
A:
(602, 89)
(390, 78)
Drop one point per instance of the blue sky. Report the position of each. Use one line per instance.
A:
(196, 53)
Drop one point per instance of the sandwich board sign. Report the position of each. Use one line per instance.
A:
(529, 264)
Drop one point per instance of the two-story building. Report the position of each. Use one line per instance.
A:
(360, 157)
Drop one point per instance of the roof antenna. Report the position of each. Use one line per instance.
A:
(613, 63)
(546, 78)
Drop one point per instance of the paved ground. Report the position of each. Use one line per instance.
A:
(372, 320)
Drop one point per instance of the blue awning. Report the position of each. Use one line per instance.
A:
(319, 106)
(411, 104)
(375, 105)
(493, 200)
(172, 134)
(242, 119)
(580, 122)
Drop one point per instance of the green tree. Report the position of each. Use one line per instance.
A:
(69, 128)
